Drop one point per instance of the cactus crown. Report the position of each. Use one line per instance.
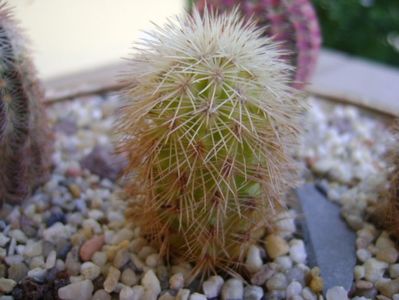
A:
(206, 129)
(292, 23)
(24, 135)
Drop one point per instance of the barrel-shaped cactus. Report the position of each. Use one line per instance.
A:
(388, 208)
(25, 139)
(206, 125)
(293, 23)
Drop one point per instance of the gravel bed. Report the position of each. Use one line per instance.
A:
(71, 241)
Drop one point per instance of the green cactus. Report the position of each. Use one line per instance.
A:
(25, 139)
(206, 127)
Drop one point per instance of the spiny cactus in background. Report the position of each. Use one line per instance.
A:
(25, 139)
(206, 126)
(293, 23)
(387, 213)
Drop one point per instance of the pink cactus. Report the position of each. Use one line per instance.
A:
(293, 23)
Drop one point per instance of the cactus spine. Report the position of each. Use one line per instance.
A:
(206, 129)
(24, 136)
(293, 23)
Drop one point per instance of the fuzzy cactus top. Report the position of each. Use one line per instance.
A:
(25, 139)
(206, 126)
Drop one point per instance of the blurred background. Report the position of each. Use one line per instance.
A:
(72, 35)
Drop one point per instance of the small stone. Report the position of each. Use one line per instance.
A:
(265, 273)
(18, 235)
(389, 255)
(51, 259)
(212, 286)
(81, 290)
(6, 285)
(277, 282)
(121, 258)
(363, 255)
(374, 269)
(232, 290)
(72, 264)
(253, 262)
(89, 270)
(298, 251)
(90, 247)
(126, 293)
(153, 260)
(316, 283)
(307, 294)
(337, 293)
(176, 282)
(183, 294)
(99, 258)
(138, 293)
(13, 259)
(33, 249)
(56, 232)
(62, 247)
(394, 271)
(37, 262)
(293, 289)
(128, 277)
(122, 235)
(151, 282)
(101, 295)
(37, 274)
(47, 247)
(284, 263)
(359, 272)
(3, 240)
(395, 297)
(17, 272)
(102, 162)
(145, 251)
(112, 279)
(56, 216)
(74, 189)
(388, 287)
(285, 224)
(197, 296)
(253, 292)
(276, 246)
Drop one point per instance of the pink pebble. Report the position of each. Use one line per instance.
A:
(90, 247)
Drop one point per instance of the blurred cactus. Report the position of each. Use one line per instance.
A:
(25, 140)
(291, 22)
(206, 129)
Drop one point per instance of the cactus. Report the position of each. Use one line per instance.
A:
(25, 139)
(387, 210)
(206, 125)
(293, 23)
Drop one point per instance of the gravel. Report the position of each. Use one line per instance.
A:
(71, 238)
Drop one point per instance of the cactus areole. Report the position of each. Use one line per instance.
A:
(292, 23)
(206, 127)
(25, 140)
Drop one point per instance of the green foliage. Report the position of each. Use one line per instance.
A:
(365, 28)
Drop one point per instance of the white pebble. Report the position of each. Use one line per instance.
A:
(232, 289)
(128, 277)
(183, 294)
(197, 296)
(81, 290)
(394, 271)
(176, 282)
(51, 259)
(122, 235)
(166, 296)
(112, 279)
(254, 262)
(33, 249)
(126, 293)
(153, 260)
(293, 289)
(37, 273)
(3, 240)
(89, 270)
(298, 251)
(253, 292)
(151, 282)
(374, 269)
(337, 293)
(363, 254)
(101, 295)
(138, 292)
(212, 286)
(99, 258)
(6, 285)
